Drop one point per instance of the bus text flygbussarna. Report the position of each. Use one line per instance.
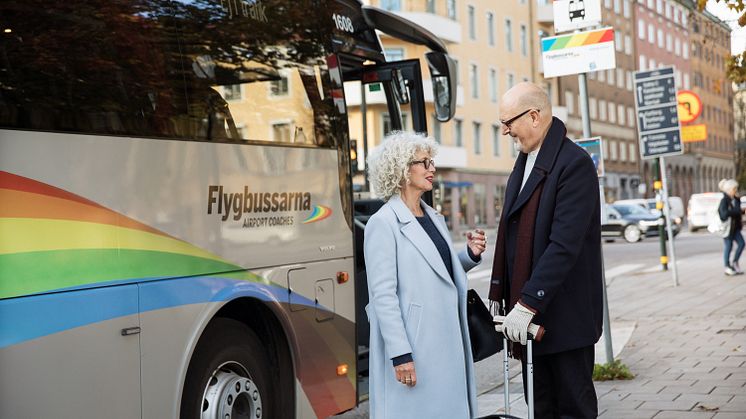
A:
(176, 211)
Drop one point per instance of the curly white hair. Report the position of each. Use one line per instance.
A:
(388, 164)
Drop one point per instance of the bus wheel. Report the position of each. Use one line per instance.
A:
(228, 376)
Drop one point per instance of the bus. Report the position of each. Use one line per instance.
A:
(177, 225)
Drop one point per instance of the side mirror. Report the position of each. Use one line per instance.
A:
(443, 77)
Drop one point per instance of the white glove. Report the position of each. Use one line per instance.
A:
(515, 326)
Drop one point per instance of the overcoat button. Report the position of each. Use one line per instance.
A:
(540, 293)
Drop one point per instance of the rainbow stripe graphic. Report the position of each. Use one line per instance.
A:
(51, 239)
(577, 40)
(319, 213)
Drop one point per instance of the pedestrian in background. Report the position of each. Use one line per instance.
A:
(420, 356)
(730, 209)
(547, 266)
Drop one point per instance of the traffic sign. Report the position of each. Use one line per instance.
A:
(690, 106)
(593, 147)
(580, 52)
(693, 133)
(570, 15)
(657, 113)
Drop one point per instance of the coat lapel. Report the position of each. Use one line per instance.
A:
(413, 231)
(544, 162)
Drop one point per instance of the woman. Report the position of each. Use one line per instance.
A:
(730, 207)
(420, 357)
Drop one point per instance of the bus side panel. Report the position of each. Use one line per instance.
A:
(88, 371)
(170, 335)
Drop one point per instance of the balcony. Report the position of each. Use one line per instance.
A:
(444, 28)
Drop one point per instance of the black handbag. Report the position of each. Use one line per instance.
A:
(485, 341)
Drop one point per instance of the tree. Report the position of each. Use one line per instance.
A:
(736, 64)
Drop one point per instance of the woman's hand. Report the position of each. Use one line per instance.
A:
(476, 241)
(405, 374)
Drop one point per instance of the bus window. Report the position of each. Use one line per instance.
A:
(108, 67)
(255, 76)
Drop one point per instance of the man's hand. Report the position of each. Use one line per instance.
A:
(477, 241)
(405, 374)
(516, 323)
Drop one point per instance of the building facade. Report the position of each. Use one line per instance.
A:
(492, 44)
(739, 126)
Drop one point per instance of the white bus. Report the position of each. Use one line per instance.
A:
(177, 236)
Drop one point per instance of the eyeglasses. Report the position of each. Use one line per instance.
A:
(425, 162)
(515, 118)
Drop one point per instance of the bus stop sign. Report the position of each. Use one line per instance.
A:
(657, 113)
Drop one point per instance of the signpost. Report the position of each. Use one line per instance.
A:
(690, 106)
(570, 15)
(660, 133)
(693, 133)
(579, 52)
(657, 113)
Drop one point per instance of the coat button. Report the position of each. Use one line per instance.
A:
(540, 293)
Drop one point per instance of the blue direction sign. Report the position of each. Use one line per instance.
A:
(657, 113)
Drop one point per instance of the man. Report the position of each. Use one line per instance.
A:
(547, 267)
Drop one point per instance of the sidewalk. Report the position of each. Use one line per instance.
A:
(687, 351)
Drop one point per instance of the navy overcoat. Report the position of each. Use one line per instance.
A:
(565, 282)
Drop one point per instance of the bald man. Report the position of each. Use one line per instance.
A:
(547, 266)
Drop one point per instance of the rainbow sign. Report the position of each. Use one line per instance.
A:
(319, 213)
(578, 53)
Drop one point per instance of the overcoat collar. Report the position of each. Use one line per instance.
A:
(544, 163)
(419, 238)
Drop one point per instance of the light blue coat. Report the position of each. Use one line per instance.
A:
(416, 308)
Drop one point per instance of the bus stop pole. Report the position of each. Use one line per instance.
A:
(583, 87)
(658, 187)
(364, 114)
(667, 212)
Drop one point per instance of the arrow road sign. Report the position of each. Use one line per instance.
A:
(657, 113)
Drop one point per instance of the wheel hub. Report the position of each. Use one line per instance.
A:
(231, 394)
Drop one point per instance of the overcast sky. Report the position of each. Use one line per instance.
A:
(738, 36)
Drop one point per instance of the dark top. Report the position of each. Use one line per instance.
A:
(731, 208)
(445, 252)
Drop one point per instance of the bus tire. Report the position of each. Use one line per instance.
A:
(228, 374)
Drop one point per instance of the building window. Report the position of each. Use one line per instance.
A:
(677, 46)
(620, 78)
(281, 132)
(643, 65)
(524, 41)
(631, 116)
(593, 108)
(570, 101)
(393, 54)
(280, 87)
(493, 85)
(474, 80)
(622, 151)
(685, 51)
(687, 85)
(232, 92)
(602, 110)
(651, 33)
(491, 28)
(496, 140)
(632, 152)
(459, 132)
(612, 112)
(451, 9)
(394, 5)
(612, 150)
(629, 80)
(669, 42)
(617, 6)
(386, 122)
(511, 80)
(627, 44)
(430, 6)
(472, 25)
(627, 8)
(508, 35)
(660, 38)
(602, 76)
(620, 110)
(477, 138)
(611, 77)
(641, 29)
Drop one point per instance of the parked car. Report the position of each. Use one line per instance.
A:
(630, 222)
(700, 208)
(675, 203)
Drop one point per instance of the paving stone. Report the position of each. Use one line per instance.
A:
(684, 415)
(737, 404)
(699, 389)
(672, 405)
(628, 414)
(644, 397)
(728, 415)
(706, 399)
